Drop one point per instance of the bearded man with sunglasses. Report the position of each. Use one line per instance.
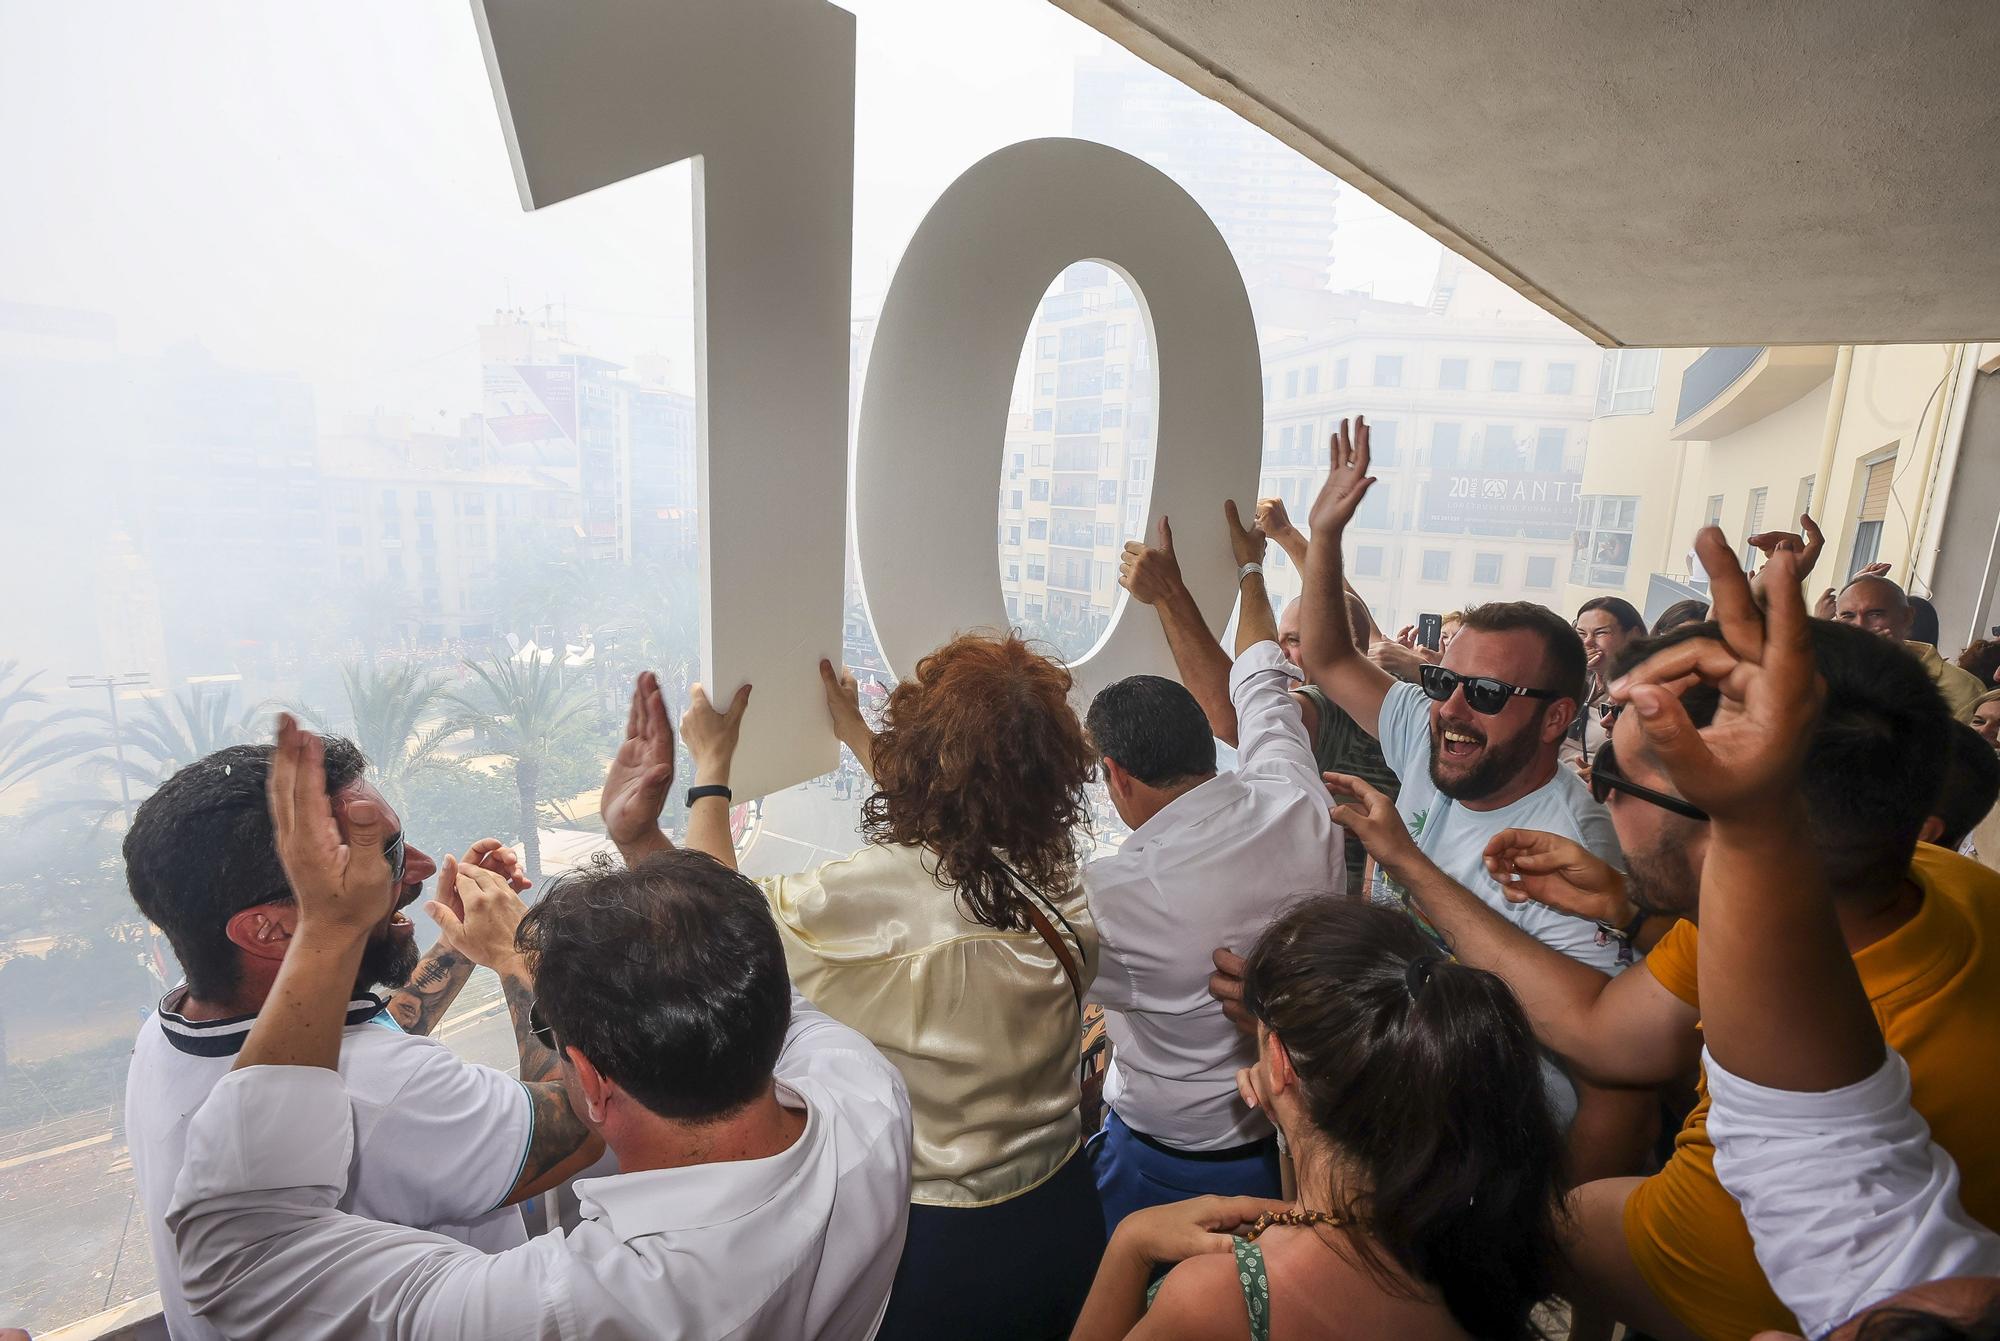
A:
(1478, 742)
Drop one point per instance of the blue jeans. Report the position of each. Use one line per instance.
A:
(1134, 1172)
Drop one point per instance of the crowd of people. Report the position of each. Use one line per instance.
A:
(1533, 976)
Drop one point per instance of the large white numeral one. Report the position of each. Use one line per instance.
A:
(942, 371)
(592, 92)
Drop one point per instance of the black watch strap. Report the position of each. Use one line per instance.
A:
(712, 789)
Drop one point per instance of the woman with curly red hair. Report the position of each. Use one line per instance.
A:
(958, 941)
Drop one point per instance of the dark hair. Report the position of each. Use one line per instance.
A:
(1982, 658)
(1562, 651)
(1426, 1079)
(202, 848)
(1872, 769)
(1970, 784)
(1153, 729)
(981, 760)
(1923, 621)
(1620, 609)
(1910, 1324)
(669, 976)
(1679, 613)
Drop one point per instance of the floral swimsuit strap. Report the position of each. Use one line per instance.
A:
(1256, 1288)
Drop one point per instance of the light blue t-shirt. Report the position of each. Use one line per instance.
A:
(1455, 837)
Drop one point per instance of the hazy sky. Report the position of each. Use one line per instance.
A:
(323, 187)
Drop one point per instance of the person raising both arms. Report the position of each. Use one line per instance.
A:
(1152, 574)
(1407, 1088)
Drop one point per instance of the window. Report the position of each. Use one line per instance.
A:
(1603, 540)
(1038, 491)
(1560, 380)
(1368, 560)
(1382, 442)
(1340, 372)
(1285, 445)
(1753, 524)
(1014, 535)
(392, 528)
(1486, 570)
(1115, 338)
(1037, 571)
(1713, 517)
(1292, 385)
(1138, 471)
(1877, 479)
(423, 502)
(1044, 420)
(1388, 370)
(1802, 501)
(347, 535)
(1498, 450)
(1047, 346)
(1114, 416)
(1038, 529)
(1541, 572)
(1506, 374)
(1451, 374)
(1043, 453)
(1549, 444)
(1626, 380)
(1045, 385)
(1014, 500)
(1107, 535)
(1437, 565)
(1444, 445)
(1114, 379)
(1312, 380)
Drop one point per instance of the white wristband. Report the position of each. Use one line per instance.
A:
(1248, 569)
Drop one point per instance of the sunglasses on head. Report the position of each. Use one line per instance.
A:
(544, 1033)
(398, 853)
(1605, 778)
(1483, 694)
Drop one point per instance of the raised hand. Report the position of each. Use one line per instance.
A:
(1808, 541)
(493, 855)
(1151, 573)
(1346, 484)
(1744, 768)
(642, 772)
(1246, 543)
(1557, 873)
(344, 887)
(711, 735)
(843, 704)
(482, 917)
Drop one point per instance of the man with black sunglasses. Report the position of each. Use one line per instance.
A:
(1477, 742)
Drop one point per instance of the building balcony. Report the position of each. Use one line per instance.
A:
(1730, 388)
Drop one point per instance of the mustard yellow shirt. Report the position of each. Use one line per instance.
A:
(1960, 687)
(982, 1023)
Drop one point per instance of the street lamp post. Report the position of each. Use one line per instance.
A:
(111, 684)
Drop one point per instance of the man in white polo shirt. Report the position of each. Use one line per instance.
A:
(765, 1148)
(439, 1143)
(1212, 860)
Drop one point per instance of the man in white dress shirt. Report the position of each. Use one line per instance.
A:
(439, 1143)
(1211, 861)
(765, 1148)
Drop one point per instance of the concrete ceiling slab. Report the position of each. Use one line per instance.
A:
(1714, 172)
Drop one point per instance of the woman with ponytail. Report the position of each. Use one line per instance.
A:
(1407, 1089)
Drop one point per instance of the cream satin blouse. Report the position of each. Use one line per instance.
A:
(981, 1023)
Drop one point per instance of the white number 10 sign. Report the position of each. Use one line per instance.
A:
(760, 94)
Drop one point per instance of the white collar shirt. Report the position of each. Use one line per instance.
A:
(437, 1142)
(802, 1244)
(1211, 869)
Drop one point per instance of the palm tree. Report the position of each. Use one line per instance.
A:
(30, 744)
(395, 715)
(168, 734)
(534, 714)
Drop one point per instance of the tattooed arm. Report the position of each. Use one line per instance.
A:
(561, 1146)
(422, 1002)
(484, 923)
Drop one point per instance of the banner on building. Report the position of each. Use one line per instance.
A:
(531, 413)
(1455, 499)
